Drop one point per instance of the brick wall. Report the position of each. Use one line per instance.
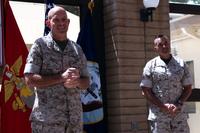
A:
(128, 45)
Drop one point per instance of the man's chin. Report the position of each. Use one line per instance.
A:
(166, 52)
(63, 31)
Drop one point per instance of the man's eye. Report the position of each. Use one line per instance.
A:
(64, 20)
(55, 20)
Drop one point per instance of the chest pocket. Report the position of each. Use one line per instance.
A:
(159, 73)
(170, 73)
(51, 58)
(52, 62)
(72, 57)
(177, 73)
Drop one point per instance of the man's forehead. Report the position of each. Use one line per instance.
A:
(56, 10)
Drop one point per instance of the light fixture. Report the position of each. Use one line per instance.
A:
(147, 12)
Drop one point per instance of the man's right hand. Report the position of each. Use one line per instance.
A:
(70, 77)
(171, 109)
(71, 73)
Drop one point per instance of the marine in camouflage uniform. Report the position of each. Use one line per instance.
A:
(56, 108)
(165, 82)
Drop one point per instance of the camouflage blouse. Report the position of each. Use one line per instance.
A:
(165, 80)
(56, 104)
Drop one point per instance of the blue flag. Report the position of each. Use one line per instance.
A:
(92, 97)
(49, 5)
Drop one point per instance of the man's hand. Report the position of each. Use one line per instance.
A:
(171, 109)
(72, 73)
(71, 78)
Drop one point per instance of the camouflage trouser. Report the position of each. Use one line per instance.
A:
(170, 126)
(39, 127)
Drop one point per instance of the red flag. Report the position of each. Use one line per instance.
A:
(14, 111)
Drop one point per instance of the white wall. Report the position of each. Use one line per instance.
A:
(30, 19)
(188, 49)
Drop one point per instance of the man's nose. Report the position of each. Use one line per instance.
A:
(61, 22)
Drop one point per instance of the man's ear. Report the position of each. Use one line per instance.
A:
(47, 22)
(155, 47)
(68, 20)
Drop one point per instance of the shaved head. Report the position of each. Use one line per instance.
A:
(58, 22)
(54, 10)
(159, 38)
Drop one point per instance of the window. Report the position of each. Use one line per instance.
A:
(192, 2)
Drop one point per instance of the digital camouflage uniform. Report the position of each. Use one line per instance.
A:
(56, 107)
(166, 82)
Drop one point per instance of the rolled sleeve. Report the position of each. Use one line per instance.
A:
(187, 78)
(31, 68)
(84, 70)
(146, 77)
(34, 60)
(146, 83)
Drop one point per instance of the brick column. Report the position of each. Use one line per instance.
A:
(127, 46)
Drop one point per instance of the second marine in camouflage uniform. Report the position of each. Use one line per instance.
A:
(166, 83)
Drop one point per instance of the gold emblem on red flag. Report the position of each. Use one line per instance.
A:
(14, 81)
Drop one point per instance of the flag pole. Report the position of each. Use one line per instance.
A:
(3, 16)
